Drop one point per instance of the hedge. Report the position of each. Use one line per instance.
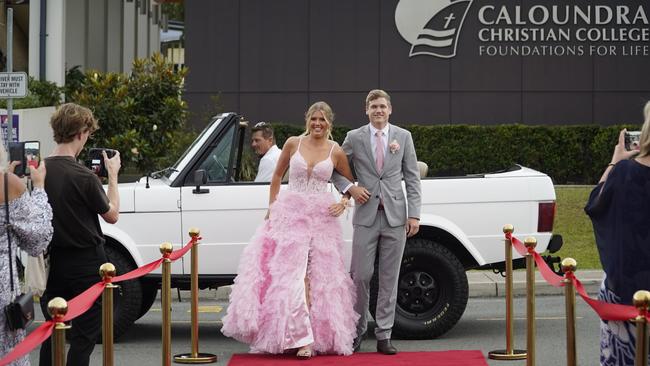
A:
(575, 154)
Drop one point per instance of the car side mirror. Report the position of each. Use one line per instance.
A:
(200, 178)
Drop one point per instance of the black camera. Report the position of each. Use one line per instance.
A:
(95, 161)
(28, 153)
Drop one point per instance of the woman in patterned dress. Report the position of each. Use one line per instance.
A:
(30, 216)
(619, 207)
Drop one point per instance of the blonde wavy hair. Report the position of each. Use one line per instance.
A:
(327, 112)
(644, 140)
(4, 159)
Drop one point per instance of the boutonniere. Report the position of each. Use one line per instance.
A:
(394, 147)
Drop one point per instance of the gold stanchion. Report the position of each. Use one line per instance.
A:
(166, 294)
(509, 353)
(530, 243)
(569, 266)
(57, 308)
(107, 272)
(195, 356)
(641, 300)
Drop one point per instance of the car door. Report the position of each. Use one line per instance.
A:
(225, 211)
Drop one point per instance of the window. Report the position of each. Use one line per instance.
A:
(217, 161)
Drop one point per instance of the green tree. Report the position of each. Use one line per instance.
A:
(141, 115)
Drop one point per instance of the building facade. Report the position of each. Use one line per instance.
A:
(466, 61)
(51, 36)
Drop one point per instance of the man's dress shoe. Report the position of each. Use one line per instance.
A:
(385, 347)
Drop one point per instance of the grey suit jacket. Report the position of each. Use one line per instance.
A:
(387, 184)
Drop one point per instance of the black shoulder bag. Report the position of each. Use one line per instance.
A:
(20, 312)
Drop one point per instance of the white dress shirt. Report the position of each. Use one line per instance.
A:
(267, 164)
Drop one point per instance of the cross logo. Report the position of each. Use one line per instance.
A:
(431, 26)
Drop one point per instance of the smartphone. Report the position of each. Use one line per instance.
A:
(32, 156)
(632, 140)
(95, 160)
(28, 153)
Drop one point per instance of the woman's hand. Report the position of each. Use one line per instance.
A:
(619, 150)
(336, 209)
(38, 175)
(13, 165)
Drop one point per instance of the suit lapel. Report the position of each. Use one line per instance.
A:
(388, 160)
(365, 137)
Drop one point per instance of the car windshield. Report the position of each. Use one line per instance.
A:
(191, 151)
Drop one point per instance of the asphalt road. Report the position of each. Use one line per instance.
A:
(482, 327)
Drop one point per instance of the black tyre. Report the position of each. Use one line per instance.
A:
(127, 300)
(149, 294)
(432, 291)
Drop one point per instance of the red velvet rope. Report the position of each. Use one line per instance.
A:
(82, 302)
(605, 310)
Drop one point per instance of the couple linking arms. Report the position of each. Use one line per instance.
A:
(293, 292)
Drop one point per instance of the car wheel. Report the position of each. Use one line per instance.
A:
(127, 299)
(432, 291)
(149, 295)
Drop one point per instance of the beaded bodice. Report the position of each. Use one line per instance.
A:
(302, 178)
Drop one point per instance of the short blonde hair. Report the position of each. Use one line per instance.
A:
(644, 140)
(376, 94)
(327, 113)
(4, 160)
(69, 120)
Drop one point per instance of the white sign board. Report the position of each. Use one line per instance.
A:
(13, 84)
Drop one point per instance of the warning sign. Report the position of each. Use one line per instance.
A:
(13, 84)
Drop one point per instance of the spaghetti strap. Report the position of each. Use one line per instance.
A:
(331, 149)
(299, 142)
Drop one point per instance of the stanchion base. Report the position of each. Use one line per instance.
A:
(502, 354)
(200, 358)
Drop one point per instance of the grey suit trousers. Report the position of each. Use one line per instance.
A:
(366, 242)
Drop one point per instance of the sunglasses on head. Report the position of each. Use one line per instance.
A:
(261, 124)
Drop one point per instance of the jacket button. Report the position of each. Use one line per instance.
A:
(377, 196)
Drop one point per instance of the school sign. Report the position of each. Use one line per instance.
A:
(464, 61)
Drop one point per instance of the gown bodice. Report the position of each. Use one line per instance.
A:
(304, 179)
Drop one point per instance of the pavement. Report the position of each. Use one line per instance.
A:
(489, 284)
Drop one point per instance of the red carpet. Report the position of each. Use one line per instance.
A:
(442, 358)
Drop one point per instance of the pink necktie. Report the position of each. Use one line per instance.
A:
(379, 151)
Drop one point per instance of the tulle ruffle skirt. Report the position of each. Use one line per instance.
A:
(267, 307)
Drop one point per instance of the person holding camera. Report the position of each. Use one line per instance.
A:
(619, 208)
(77, 248)
(30, 218)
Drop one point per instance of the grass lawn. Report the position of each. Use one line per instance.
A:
(575, 227)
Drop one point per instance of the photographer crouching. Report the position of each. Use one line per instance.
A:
(77, 248)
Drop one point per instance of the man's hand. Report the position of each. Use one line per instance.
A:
(360, 194)
(412, 227)
(113, 164)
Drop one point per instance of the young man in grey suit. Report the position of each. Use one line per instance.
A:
(382, 155)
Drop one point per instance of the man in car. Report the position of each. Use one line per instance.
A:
(263, 143)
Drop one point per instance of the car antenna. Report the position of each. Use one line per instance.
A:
(147, 181)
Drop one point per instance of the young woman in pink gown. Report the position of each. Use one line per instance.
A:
(293, 291)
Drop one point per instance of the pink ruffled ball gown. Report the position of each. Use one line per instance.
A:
(268, 309)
